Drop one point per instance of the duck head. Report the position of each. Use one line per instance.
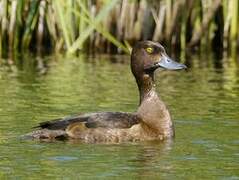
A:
(146, 57)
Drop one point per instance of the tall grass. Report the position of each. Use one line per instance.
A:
(112, 26)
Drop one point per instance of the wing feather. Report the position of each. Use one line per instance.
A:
(94, 120)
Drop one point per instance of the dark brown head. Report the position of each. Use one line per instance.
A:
(146, 57)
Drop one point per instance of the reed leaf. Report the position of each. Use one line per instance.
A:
(51, 24)
(70, 19)
(101, 29)
(12, 25)
(4, 25)
(99, 18)
(82, 24)
(234, 20)
(20, 9)
(30, 24)
(60, 12)
(19, 24)
(40, 28)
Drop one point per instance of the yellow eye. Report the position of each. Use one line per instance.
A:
(149, 50)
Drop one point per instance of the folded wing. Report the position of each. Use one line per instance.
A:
(94, 120)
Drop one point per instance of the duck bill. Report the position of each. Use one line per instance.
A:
(168, 63)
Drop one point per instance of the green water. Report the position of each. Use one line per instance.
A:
(203, 101)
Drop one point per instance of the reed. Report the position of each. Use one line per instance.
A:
(114, 25)
(234, 21)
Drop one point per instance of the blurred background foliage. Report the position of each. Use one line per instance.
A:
(112, 26)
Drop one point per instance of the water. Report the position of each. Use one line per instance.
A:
(203, 101)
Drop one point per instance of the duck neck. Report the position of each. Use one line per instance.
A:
(152, 110)
(145, 85)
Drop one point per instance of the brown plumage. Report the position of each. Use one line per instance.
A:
(151, 121)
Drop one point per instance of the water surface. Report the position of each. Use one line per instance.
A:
(203, 101)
